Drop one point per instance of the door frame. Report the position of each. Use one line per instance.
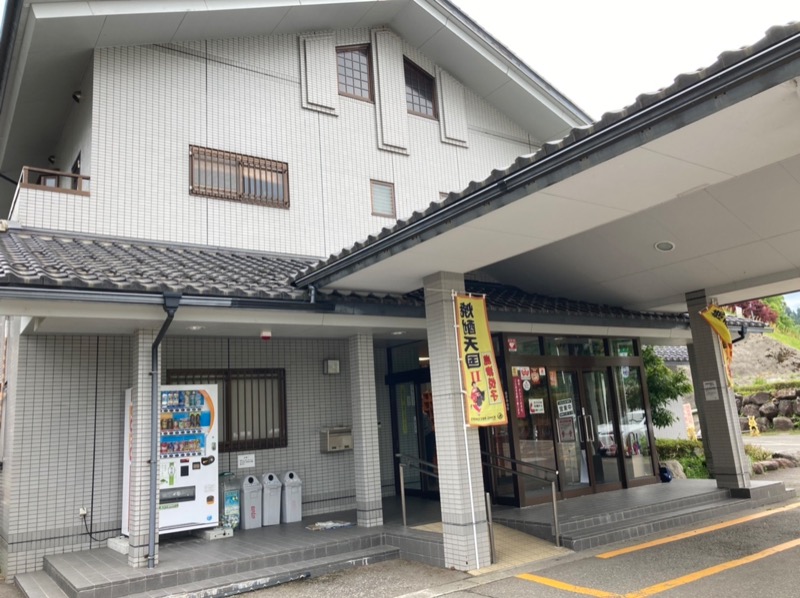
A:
(416, 377)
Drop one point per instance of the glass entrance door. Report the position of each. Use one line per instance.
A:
(598, 419)
(573, 471)
(415, 433)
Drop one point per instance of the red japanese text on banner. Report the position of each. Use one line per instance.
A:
(485, 400)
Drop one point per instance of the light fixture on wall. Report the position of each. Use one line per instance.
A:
(51, 158)
(76, 96)
(330, 366)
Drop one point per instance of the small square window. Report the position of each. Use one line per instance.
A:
(354, 72)
(420, 91)
(382, 199)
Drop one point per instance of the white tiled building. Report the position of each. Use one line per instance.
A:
(215, 152)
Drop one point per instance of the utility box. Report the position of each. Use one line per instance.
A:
(333, 440)
(271, 505)
(229, 504)
(292, 498)
(251, 503)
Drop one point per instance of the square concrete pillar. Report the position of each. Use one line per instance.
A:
(464, 525)
(139, 488)
(721, 432)
(366, 448)
(701, 407)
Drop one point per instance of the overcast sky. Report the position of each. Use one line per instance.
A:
(602, 54)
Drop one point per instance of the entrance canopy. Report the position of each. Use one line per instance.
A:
(692, 187)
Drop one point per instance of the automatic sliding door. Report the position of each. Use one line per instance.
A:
(601, 447)
(570, 446)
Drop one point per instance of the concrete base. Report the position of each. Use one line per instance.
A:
(761, 490)
(119, 544)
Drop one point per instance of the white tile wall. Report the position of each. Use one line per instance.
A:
(150, 103)
(66, 387)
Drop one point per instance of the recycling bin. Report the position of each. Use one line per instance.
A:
(229, 487)
(271, 504)
(291, 498)
(251, 503)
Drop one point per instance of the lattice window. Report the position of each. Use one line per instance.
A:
(354, 72)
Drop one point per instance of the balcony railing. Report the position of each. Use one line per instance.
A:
(54, 180)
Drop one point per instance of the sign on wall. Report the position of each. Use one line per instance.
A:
(480, 378)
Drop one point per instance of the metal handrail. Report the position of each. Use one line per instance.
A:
(550, 474)
(416, 461)
(549, 471)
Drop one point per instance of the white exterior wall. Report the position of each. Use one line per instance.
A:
(76, 136)
(64, 445)
(150, 103)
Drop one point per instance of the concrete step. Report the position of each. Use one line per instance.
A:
(628, 529)
(38, 585)
(567, 524)
(248, 581)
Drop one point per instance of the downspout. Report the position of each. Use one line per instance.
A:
(171, 303)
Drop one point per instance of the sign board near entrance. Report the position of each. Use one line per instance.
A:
(565, 407)
(480, 378)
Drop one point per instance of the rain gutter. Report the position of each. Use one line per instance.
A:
(171, 303)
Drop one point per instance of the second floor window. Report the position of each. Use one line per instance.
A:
(226, 175)
(354, 72)
(419, 91)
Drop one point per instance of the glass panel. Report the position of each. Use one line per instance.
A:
(522, 345)
(574, 345)
(622, 347)
(412, 356)
(603, 449)
(500, 444)
(572, 470)
(429, 434)
(406, 404)
(353, 65)
(419, 91)
(536, 430)
(633, 423)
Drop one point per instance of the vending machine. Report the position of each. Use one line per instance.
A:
(188, 481)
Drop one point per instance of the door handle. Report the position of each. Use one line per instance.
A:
(588, 424)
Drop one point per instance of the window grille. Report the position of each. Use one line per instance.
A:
(253, 401)
(226, 175)
(354, 72)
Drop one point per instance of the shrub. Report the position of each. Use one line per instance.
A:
(694, 468)
(757, 453)
(678, 449)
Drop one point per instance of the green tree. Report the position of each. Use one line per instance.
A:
(664, 386)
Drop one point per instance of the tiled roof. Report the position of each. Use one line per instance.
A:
(511, 300)
(774, 36)
(69, 261)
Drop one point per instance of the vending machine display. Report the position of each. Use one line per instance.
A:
(188, 480)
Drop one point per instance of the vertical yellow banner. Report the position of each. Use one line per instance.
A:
(715, 316)
(485, 400)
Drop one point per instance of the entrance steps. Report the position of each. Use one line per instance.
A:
(64, 575)
(599, 523)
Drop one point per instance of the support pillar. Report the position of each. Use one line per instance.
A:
(366, 449)
(464, 524)
(721, 432)
(139, 488)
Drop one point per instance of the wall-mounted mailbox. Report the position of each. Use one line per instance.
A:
(333, 440)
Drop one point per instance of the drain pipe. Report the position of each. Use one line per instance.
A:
(171, 303)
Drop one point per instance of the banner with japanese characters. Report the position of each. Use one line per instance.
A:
(485, 400)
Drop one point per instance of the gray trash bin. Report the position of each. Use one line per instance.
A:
(251, 503)
(292, 498)
(271, 505)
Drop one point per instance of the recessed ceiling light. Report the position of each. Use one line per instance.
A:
(398, 333)
(664, 246)
(195, 328)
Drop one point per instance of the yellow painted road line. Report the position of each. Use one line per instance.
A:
(697, 575)
(696, 532)
(554, 583)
